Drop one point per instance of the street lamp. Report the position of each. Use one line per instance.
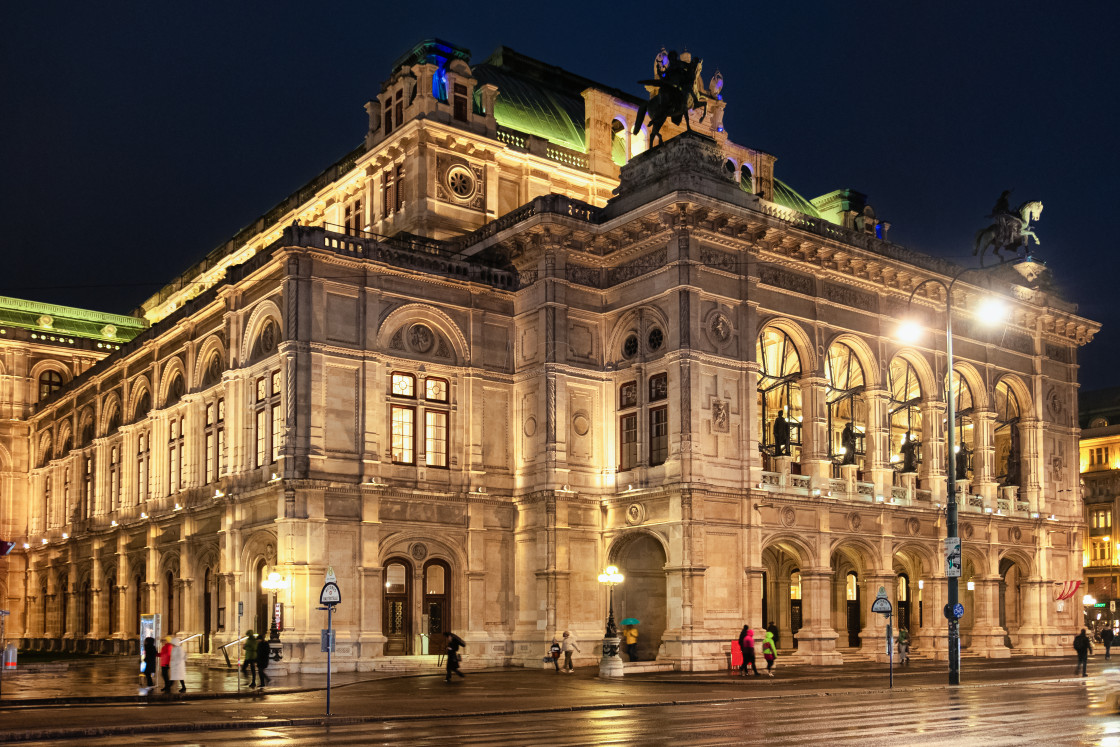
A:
(991, 311)
(611, 663)
(274, 583)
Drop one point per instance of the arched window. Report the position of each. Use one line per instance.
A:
(847, 409)
(618, 142)
(746, 181)
(49, 383)
(267, 340)
(905, 416)
(175, 391)
(143, 406)
(779, 394)
(1006, 436)
(964, 442)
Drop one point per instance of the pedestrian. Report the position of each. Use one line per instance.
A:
(746, 645)
(769, 652)
(165, 663)
(264, 656)
(554, 652)
(1107, 637)
(569, 645)
(249, 665)
(903, 646)
(178, 664)
(1083, 648)
(772, 629)
(151, 657)
(631, 635)
(453, 643)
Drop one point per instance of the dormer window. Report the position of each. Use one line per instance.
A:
(398, 107)
(460, 107)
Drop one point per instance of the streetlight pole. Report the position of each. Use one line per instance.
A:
(611, 663)
(274, 583)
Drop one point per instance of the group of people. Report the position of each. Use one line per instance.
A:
(747, 646)
(172, 660)
(566, 646)
(258, 653)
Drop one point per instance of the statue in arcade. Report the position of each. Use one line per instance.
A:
(679, 90)
(1013, 457)
(962, 462)
(909, 452)
(1010, 230)
(781, 435)
(848, 444)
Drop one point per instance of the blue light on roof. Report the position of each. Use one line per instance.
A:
(878, 230)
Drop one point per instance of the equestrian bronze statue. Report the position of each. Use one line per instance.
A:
(1011, 229)
(679, 90)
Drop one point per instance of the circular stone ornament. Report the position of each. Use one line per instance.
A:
(635, 514)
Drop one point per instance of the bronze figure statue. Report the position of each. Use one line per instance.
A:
(909, 451)
(679, 90)
(1011, 229)
(781, 435)
(848, 444)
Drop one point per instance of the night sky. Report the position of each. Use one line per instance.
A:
(135, 138)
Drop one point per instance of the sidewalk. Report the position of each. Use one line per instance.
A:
(370, 697)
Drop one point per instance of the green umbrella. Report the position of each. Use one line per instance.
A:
(631, 621)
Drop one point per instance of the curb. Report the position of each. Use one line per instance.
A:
(306, 721)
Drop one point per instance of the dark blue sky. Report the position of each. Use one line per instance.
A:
(137, 137)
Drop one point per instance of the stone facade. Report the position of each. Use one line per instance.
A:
(471, 365)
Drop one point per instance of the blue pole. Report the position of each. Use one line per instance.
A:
(330, 646)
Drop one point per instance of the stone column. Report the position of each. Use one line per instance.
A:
(987, 635)
(816, 641)
(814, 429)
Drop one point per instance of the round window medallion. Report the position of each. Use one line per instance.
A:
(635, 513)
(421, 338)
(630, 347)
(913, 526)
(656, 338)
(788, 516)
(581, 424)
(418, 551)
(460, 181)
(530, 426)
(855, 521)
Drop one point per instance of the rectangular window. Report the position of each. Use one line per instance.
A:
(404, 434)
(352, 218)
(404, 385)
(173, 460)
(388, 117)
(628, 394)
(435, 390)
(628, 441)
(262, 437)
(274, 435)
(460, 112)
(398, 193)
(87, 487)
(658, 387)
(658, 435)
(114, 478)
(435, 438)
(386, 187)
(221, 428)
(142, 468)
(209, 458)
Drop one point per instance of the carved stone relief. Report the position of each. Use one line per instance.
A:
(782, 278)
(721, 419)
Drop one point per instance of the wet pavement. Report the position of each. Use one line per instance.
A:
(385, 704)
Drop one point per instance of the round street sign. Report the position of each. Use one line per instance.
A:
(330, 594)
(958, 611)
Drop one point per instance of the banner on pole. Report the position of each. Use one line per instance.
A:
(953, 557)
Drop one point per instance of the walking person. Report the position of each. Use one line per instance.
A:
(264, 656)
(1107, 637)
(178, 664)
(554, 652)
(165, 664)
(903, 646)
(746, 645)
(630, 635)
(772, 629)
(151, 659)
(569, 645)
(1083, 648)
(769, 652)
(249, 665)
(454, 643)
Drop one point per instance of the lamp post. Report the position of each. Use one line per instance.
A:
(274, 583)
(611, 663)
(991, 309)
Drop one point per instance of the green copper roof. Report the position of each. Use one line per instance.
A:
(785, 196)
(530, 106)
(66, 320)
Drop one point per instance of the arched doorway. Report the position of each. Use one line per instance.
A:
(796, 614)
(262, 621)
(437, 601)
(902, 597)
(642, 595)
(396, 604)
(1010, 600)
(169, 604)
(852, 600)
(207, 611)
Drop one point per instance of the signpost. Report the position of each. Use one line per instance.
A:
(240, 648)
(329, 597)
(882, 605)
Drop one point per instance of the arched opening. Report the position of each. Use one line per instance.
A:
(765, 600)
(85, 609)
(437, 600)
(112, 606)
(779, 395)
(905, 417)
(1006, 436)
(1010, 601)
(852, 611)
(49, 383)
(138, 597)
(262, 621)
(902, 599)
(169, 602)
(397, 607)
(965, 429)
(795, 611)
(746, 180)
(207, 612)
(618, 142)
(847, 408)
(63, 600)
(642, 595)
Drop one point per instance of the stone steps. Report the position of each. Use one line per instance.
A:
(641, 667)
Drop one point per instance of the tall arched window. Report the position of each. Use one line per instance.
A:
(965, 430)
(1006, 436)
(779, 394)
(847, 409)
(905, 415)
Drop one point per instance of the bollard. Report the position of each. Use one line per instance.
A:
(10, 658)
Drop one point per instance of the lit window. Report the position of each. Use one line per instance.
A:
(658, 435)
(403, 434)
(435, 438)
(49, 383)
(353, 217)
(404, 385)
(435, 390)
(143, 456)
(628, 441)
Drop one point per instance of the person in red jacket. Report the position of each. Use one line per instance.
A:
(165, 663)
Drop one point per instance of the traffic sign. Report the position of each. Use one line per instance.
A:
(330, 594)
(326, 641)
(955, 612)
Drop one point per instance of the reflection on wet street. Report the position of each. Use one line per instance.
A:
(1065, 713)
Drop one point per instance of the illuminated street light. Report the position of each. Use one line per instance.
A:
(274, 583)
(611, 663)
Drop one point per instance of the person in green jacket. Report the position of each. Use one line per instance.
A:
(769, 652)
(250, 663)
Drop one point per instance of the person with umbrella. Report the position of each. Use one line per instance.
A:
(630, 635)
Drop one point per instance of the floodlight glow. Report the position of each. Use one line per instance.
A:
(992, 310)
(909, 332)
